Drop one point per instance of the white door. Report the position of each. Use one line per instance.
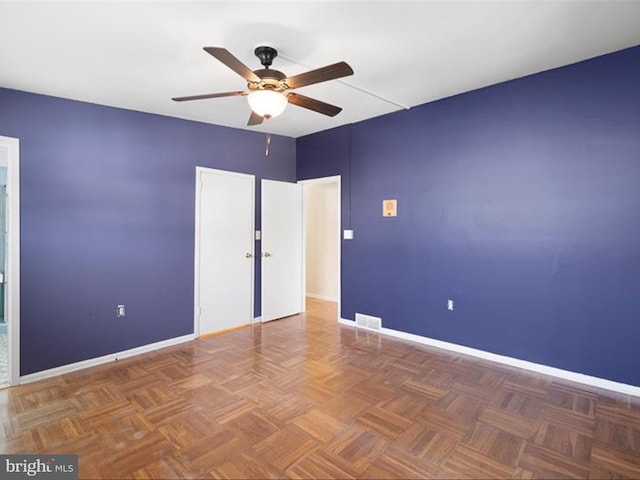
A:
(281, 249)
(224, 250)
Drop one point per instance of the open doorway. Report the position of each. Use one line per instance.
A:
(321, 226)
(9, 261)
(4, 332)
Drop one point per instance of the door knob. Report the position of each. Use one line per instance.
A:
(266, 254)
(248, 255)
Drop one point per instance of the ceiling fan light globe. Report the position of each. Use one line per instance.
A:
(267, 103)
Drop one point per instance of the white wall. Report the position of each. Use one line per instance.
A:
(322, 232)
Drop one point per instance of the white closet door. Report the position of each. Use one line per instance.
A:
(226, 240)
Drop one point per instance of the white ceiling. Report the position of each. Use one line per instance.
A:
(137, 55)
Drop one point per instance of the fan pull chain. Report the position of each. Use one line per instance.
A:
(266, 151)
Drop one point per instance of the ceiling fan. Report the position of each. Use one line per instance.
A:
(269, 91)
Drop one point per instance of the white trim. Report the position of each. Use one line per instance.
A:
(12, 275)
(315, 181)
(112, 357)
(347, 322)
(321, 297)
(513, 362)
(196, 257)
(257, 319)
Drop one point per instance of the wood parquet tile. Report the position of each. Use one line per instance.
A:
(422, 440)
(305, 397)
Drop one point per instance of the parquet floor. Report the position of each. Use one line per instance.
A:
(304, 397)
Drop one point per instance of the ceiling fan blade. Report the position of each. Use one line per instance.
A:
(313, 104)
(254, 119)
(330, 72)
(233, 63)
(207, 95)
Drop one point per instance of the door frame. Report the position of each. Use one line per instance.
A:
(316, 181)
(13, 256)
(200, 171)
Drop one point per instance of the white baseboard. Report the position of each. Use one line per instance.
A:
(112, 357)
(322, 297)
(513, 362)
(347, 322)
(257, 319)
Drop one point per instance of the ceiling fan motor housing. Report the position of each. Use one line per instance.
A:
(270, 74)
(271, 79)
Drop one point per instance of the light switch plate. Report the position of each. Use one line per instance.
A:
(258, 234)
(348, 235)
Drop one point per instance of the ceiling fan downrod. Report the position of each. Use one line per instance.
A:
(266, 55)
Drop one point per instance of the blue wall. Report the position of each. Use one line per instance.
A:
(107, 212)
(520, 201)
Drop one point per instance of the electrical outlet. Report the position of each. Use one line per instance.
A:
(120, 311)
(450, 305)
